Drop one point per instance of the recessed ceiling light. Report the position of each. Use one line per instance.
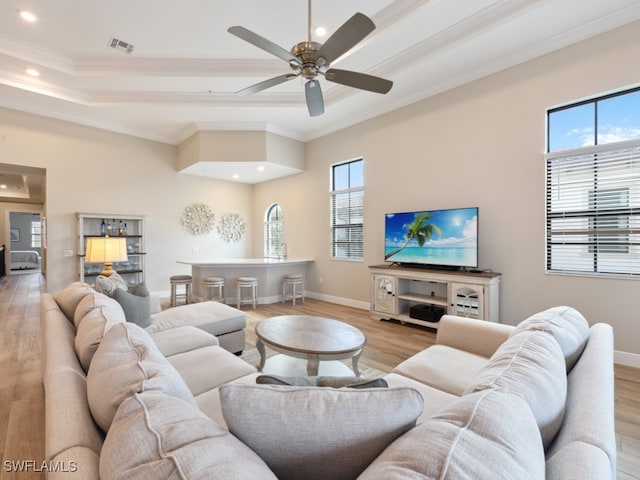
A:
(3, 186)
(33, 72)
(261, 168)
(235, 176)
(27, 16)
(320, 31)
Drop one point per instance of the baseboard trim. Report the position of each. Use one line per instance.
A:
(626, 358)
(347, 302)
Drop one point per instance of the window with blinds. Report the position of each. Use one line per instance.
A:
(36, 235)
(593, 190)
(347, 209)
(274, 246)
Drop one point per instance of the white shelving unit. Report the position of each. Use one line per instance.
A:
(395, 290)
(90, 224)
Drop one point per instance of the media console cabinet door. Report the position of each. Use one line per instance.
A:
(383, 294)
(467, 300)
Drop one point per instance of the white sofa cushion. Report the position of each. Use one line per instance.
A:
(220, 366)
(70, 296)
(566, 325)
(182, 339)
(92, 301)
(91, 329)
(315, 432)
(127, 362)
(155, 436)
(433, 366)
(532, 365)
(489, 434)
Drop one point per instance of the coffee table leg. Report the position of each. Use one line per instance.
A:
(263, 354)
(355, 364)
(312, 365)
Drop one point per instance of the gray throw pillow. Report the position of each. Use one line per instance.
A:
(318, 433)
(135, 303)
(323, 381)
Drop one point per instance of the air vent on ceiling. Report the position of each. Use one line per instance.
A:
(120, 45)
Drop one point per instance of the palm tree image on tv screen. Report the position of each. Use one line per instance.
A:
(447, 238)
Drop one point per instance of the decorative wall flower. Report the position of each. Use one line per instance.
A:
(231, 227)
(198, 219)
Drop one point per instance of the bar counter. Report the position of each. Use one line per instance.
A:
(268, 271)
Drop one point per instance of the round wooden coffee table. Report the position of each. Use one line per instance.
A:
(312, 338)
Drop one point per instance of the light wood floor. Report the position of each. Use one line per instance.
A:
(388, 343)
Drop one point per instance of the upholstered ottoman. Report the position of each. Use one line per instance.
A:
(225, 322)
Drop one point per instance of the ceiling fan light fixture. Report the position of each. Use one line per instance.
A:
(310, 59)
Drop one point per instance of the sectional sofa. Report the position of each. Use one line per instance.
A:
(487, 401)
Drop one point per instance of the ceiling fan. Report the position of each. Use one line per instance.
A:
(311, 59)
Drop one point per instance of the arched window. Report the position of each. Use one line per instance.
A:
(274, 232)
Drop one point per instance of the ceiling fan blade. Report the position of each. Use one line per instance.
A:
(272, 82)
(263, 43)
(346, 37)
(315, 102)
(358, 80)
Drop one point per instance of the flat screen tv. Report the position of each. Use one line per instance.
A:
(435, 238)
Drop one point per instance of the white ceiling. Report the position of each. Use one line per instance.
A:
(185, 67)
(21, 184)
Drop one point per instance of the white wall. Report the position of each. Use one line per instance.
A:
(478, 145)
(91, 170)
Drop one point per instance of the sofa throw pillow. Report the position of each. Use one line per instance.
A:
(318, 433)
(489, 434)
(70, 296)
(127, 362)
(91, 330)
(566, 325)
(108, 285)
(530, 364)
(154, 436)
(136, 304)
(323, 381)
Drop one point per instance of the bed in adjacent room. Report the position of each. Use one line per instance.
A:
(25, 260)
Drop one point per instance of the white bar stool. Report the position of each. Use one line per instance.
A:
(296, 283)
(247, 282)
(212, 283)
(176, 281)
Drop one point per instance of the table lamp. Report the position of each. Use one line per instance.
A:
(106, 250)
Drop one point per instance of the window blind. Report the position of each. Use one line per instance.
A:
(593, 210)
(347, 223)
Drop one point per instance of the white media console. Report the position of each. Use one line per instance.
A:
(400, 293)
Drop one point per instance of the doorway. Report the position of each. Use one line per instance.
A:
(25, 242)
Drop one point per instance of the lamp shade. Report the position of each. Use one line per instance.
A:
(106, 250)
